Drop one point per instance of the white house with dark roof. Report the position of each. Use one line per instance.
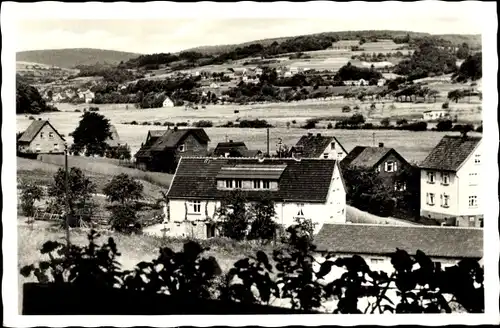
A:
(451, 182)
(319, 146)
(375, 243)
(308, 188)
(41, 137)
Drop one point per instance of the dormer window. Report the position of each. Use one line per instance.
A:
(391, 166)
(182, 148)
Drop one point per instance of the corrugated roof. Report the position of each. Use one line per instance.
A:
(35, 127)
(435, 241)
(307, 180)
(450, 153)
(313, 146)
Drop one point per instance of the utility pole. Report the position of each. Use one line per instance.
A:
(66, 185)
(267, 142)
(373, 139)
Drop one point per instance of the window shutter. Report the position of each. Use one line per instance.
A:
(385, 166)
(395, 166)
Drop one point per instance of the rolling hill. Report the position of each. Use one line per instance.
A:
(69, 58)
(472, 39)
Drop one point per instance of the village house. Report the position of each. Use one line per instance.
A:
(70, 93)
(381, 82)
(163, 152)
(308, 188)
(234, 149)
(319, 146)
(214, 85)
(167, 102)
(451, 182)
(57, 97)
(432, 115)
(88, 96)
(258, 71)
(362, 82)
(41, 137)
(375, 243)
(387, 162)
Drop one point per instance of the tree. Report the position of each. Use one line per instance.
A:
(234, 216)
(471, 68)
(433, 93)
(263, 213)
(80, 190)
(123, 189)
(124, 219)
(444, 125)
(463, 51)
(90, 135)
(455, 95)
(385, 122)
(29, 100)
(402, 121)
(30, 192)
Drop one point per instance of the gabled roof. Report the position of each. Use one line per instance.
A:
(228, 147)
(156, 133)
(307, 180)
(450, 153)
(368, 157)
(314, 145)
(435, 241)
(33, 130)
(171, 139)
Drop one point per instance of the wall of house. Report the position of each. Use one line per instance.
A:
(438, 211)
(334, 151)
(193, 147)
(388, 178)
(44, 144)
(469, 184)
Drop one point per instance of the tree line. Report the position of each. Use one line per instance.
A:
(29, 100)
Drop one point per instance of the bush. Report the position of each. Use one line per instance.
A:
(157, 123)
(31, 118)
(255, 124)
(294, 122)
(311, 123)
(203, 124)
(385, 122)
(346, 109)
(445, 105)
(145, 123)
(444, 125)
(77, 111)
(124, 219)
(93, 109)
(134, 123)
(30, 193)
(356, 107)
(182, 124)
(168, 124)
(480, 128)
(401, 121)
(329, 126)
(417, 126)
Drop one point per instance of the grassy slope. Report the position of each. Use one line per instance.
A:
(68, 58)
(99, 170)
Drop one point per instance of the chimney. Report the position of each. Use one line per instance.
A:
(309, 134)
(230, 141)
(175, 128)
(381, 144)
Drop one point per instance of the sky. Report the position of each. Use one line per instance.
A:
(175, 34)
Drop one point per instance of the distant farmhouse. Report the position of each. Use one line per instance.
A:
(432, 115)
(319, 146)
(88, 96)
(234, 149)
(163, 149)
(168, 102)
(451, 182)
(307, 188)
(114, 140)
(386, 161)
(41, 137)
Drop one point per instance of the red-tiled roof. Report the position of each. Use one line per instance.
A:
(313, 146)
(307, 180)
(33, 130)
(450, 153)
(434, 241)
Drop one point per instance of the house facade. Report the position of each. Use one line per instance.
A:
(307, 188)
(162, 153)
(319, 146)
(451, 182)
(168, 102)
(387, 162)
(88, 96)
(41, 137)
(374, 243)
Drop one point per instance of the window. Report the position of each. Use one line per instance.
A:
(477, 159)
(472, 221)
(390, 166)
(195, 206)
(445, 178)
(430, 177)
(430, 198)
(377, 261)
(41, 135)
(333, 145)
(300, 212)
(445, 200)
(472, 179)
(339, 154)
(51, 135)
(377, 169)
(472, 201)
(239, 184)
(256, 184)
(325, 155)
(400, 186)
(37, 148)
(265, 184)
(229, 183)
(182, 148)
(56, 146)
